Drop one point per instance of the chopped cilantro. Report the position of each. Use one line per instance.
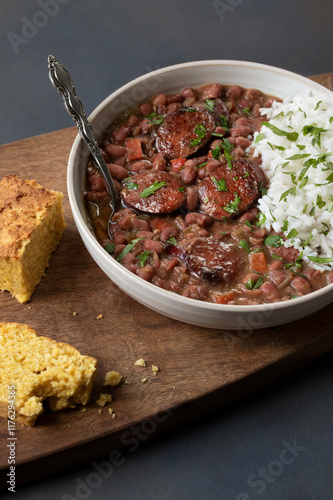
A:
(262, 219)
(292, 234)
(152, 189)
(232, 207)
(298, 156)
(200, 130)
(273, 240)
(143, 257)
(246, 111)
(321, 260)
(248, 223)
(220, 184)
(307, 241)
(209, 104)
(172, 241)
(127, 249)
(109, 247)
(291, 136)
(314, 131)
(259, 137)
(155, 119)
(181, 189)
(244, 244)
(289, 191)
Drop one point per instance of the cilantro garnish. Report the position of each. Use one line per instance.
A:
(232, 207)
(315, 132)
(291, 136)
(220, 184)
(289, 191)
(273, 240)
(244, 244)
(209, 104)
(109, 247)
(127, 249)
(143, 257)
(200, 131)
(152, 189)
(155, 119)
(321, 260)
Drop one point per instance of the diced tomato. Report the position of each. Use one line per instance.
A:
(133, 149)
(258, 262)
(178, 164)
(223, 298)
(159, 224)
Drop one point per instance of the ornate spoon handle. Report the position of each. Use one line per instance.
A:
(63, 83)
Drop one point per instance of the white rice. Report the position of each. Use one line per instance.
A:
(305, 215)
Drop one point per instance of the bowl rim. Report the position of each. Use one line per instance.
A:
(180, 299)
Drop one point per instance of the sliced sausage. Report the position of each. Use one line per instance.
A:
(183, 132)
(166, 192)
(209, 259)
(229, 192)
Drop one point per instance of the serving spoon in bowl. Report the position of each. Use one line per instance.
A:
(63, 83)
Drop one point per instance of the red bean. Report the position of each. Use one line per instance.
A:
(145, 234)
(237, 131)
(159, 100)
(202, 220)
(120, 161)
(174, 98)
(189, 174)
(252, 94)
(220, 130)
(153, 245)
(140, 165)
(191, 198)
(115, 150)
(234, 91)
(167, 233)
(241, 122)
(133, 121)
(125, 221)
(140, 225)
(212, 91)
(129, 261)
(159, 162)
(117, 171)
(97, 183)
(174, 106)
(95, 196)
(118, 249)
(146, 272)
(146, 126)
(215, 143)
(119, 238)
(146, 108)
(301, 284)
(238, 152)
(242, 142)
(187, 92)
(120, 134)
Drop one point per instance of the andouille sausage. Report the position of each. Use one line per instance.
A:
(154, 191)
(183, 132)
(209, 259)
(229, 192)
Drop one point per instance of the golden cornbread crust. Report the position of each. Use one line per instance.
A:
(41, 368)
(31, 226)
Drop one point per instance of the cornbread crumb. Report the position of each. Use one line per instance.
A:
(74, 313)
(104, 399)
(127, 382)
(140, 362)
(99, 411)
(112, 378)
(100, 316)
(84, 410)
(110, 410)
(144, 380)
(113, 415)
(31, 226)
(155, 369)
(39, 368)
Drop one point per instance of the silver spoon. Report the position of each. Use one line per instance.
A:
(63, 83)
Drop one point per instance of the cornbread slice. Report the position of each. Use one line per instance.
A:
(40, 368)
(31, 226)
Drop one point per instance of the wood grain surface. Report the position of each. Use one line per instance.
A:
(200, 369)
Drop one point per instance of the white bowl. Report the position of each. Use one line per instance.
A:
(270, 80)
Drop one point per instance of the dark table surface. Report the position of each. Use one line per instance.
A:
(277, 443)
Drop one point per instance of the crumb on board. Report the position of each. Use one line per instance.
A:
(100, 316)
(99, 411)
(104, 399)
(127, 382)
(74, 313)
(84, 410)
(155, 369)
(140, 362)
(144, 380)
(110, 410)
(112, 378)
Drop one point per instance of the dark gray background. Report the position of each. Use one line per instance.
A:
(104, 44)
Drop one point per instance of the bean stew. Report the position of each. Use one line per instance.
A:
(189, 186)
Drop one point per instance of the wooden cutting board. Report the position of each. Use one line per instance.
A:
(200, 369)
